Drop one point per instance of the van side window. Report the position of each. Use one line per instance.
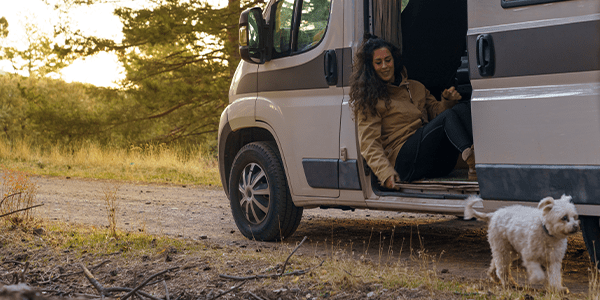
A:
(282, 32)
(313, 23)
(515, 3)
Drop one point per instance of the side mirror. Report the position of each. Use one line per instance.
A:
(252, 36)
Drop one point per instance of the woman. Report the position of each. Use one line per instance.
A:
(405, 133)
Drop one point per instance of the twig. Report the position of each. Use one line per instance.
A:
(146, 282)
(166, 290)
(85, 295)
(124, 289)
(11, 195)
(230, 290)
(288, 258)
(12, 262)
(255, 296)
(272, 276)
(24, 271)
(18, 210)
(351, 274)
(93, 281)
(74, 273)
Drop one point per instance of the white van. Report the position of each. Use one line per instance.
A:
(530, 68)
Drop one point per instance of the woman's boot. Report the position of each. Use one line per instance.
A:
(469, 157)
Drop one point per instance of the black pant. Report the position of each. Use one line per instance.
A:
(433, 150)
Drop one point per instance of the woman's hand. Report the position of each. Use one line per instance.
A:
(451, 94)
(389, 183)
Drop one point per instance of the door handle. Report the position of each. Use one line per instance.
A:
(486, 56)
(331, 67)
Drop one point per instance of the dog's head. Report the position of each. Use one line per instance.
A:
(559, 216)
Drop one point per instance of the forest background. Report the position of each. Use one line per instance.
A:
(179, 57)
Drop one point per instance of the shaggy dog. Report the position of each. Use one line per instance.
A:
(538, 235)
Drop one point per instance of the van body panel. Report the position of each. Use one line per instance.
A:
(241, 112)
(541, 49)
(536, 120)
(541, 125)
(484, 13)
(244, 81)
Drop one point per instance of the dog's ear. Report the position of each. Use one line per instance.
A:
(566, 198)
(546, 204)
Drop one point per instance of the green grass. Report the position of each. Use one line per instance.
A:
(149, 163)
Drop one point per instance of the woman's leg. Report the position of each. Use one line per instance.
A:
(433, 150)
(456, 123)
(426, 156)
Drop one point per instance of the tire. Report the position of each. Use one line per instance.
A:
(261, 203)
(590, 227)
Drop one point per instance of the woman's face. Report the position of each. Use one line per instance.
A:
(383, 63)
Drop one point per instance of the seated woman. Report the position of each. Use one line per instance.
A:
(405, 133)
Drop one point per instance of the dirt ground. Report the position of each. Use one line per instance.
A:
(197, 213)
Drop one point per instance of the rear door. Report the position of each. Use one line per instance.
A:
(535, 72)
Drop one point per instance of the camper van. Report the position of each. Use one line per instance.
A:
(530, 70)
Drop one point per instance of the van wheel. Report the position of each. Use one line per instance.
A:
(590, 227)
(261, 203)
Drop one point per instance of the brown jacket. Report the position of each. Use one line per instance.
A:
(382, 136)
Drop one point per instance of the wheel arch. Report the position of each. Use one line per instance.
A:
(232, 141)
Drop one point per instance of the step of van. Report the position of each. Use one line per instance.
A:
(439, 187)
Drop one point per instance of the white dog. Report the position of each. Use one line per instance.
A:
(538, 235)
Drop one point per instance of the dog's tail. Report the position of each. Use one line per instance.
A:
(470, 213)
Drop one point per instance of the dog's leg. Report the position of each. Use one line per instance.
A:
(534, 271)
(503, 262)
(492, 272)
(555, 278)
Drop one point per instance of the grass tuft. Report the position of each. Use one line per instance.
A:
(159, 163)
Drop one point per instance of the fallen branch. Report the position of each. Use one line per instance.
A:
(19, 277)
(230, 290)
(90, 277)
(146, 282)
(124, 289)
(19, 210)
(272, 276)
(288, 258)
(255, 296)
(166, 290)
(74, 273)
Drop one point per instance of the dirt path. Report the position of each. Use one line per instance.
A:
(459, 247)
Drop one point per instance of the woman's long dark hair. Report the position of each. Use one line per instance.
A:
(366, 88)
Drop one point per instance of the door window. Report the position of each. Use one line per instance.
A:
(313, 23)
(291, 36)
(282, 32)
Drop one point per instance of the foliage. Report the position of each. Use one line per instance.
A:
(3, 27)
(41, 55)
(179, 57)
(48, 111)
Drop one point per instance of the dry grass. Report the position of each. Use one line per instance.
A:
(112, 207)
(18, 193)
(148, 163)
(340, 277)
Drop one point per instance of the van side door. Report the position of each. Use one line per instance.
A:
(535, 72)
(300, 93)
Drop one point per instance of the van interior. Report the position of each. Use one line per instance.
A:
(433, 41)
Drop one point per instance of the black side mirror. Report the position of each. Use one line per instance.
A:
(252, 36)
